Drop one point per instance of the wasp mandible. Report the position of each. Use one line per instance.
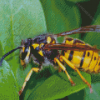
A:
(44, 50)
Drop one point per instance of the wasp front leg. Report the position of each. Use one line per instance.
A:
(76, 69)
(27, 78)
(64, 69)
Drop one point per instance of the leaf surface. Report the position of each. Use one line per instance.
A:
(8, 83)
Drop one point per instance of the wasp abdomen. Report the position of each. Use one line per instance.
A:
(87, 60)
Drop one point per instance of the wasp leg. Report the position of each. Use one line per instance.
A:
(27, 78)
(64, 69)
(73, 67)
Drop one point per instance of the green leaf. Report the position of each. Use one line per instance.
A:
(8, 85)
(96, 92)
(61, 16)
(86, 95)
(78, 95)
(49, 84)
(93, 38)
(58, 86)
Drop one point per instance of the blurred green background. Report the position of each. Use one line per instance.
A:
(22, 19)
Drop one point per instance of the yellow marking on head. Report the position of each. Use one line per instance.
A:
(40, 52)
(28, 52)
(22, 62)
(23, 49)
(35, 45)
(69, 42)
(48, 39)
(41, 45)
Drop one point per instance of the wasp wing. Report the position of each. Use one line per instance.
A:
(64, 46)
(91, 28)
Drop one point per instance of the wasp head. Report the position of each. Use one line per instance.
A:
(25, 52)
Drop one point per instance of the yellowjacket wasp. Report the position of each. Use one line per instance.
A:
(44, 50)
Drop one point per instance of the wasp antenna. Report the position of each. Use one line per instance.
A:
(8, 54)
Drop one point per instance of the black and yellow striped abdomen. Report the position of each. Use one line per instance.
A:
(88, 60)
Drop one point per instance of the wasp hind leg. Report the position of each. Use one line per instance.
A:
(27, 78)
(76, 69)
(62, 67)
